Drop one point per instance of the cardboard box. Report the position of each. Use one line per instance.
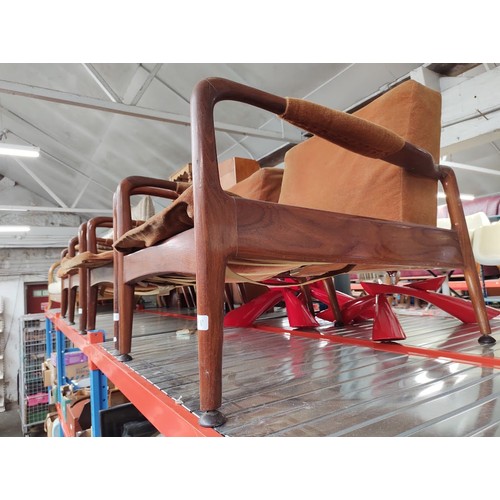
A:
(75, 372)
(48, 373)
(68, 396)
(78, 415)
(116, 397)
(48, 425)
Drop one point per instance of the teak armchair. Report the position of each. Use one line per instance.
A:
(360, 194)
(69, 281)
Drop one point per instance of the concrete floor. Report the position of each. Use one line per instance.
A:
(10, 422)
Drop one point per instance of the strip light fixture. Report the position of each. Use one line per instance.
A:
(18, 150)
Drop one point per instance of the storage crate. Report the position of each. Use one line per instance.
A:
(70, 358)
(36, 399)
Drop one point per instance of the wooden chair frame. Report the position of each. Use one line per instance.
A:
(228, 228)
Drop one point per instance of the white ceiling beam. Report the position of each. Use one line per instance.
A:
(79, 197)
(151, 76)
(39, 136)
(30, 91)
(470, 133)
(102, 83)
(40, 183)
(471, 98)
(39, 237)
(69, 210)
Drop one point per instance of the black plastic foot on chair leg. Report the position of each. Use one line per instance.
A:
(212, 418)
(486, 340)
(124, 357)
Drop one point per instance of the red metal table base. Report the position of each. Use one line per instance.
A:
(374, 305)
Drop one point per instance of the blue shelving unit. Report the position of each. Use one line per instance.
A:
(56, 342)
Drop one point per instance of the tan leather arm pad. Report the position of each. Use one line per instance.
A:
(348, 131)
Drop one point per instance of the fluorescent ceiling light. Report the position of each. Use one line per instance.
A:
(14, 229)
(18, 150)
(464, 197)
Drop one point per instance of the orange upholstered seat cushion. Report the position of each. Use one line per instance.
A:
(322, 175)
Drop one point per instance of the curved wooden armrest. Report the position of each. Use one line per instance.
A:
(73, 243)
(92, 226)
(139, 185)
(82, 238)
(101, 222)
(346, 130)
(52, 272)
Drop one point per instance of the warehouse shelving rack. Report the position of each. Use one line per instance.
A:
(169, 418)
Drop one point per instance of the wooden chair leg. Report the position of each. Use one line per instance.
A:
(243, 292)
(92, 307)
(471, 277)
(332, 296)
(83, 274)
(72, 305)
(210, 316)
(308, 298)
(228, 297)
(126, 306)
(64, 301)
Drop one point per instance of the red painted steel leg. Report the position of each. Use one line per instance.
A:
(361, 309)
(246, 314)
(298, 314)
(386, 326)
(460, 308)
(432, 284)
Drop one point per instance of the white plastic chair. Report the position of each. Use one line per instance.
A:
(486, 249)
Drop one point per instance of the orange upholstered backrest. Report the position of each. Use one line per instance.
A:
(236, 169)
(322, 175)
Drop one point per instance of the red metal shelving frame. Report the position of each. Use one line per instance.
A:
(162, 411)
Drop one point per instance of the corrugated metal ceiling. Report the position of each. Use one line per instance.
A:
(86, 151)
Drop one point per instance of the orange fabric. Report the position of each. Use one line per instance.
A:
(325, 176)
(87, 260)
(173, 219)
(349, 131)
(234, 170)
(263, 185)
